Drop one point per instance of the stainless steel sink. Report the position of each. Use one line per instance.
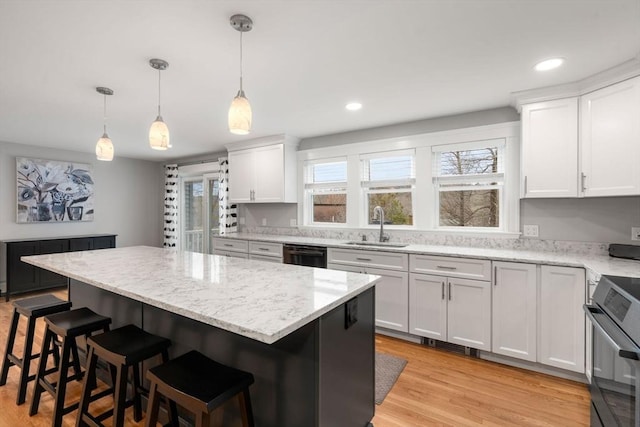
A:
(378, 244)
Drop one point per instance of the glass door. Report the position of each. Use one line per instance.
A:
(200, 212)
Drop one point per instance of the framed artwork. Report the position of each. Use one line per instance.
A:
(53, 191)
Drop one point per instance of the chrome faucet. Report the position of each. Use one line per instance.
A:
(378, 213)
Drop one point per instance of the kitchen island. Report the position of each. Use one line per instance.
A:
(306, 334)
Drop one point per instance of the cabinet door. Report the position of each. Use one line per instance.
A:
(104, 242)
(81, 244)
(21, 276)
(562, 319)
(550, 149)
(392, 299)
(428, 306)
(48, 278)
(514, 318)
(269, 172)
(469, 313)
(241, 176)
(610, 125)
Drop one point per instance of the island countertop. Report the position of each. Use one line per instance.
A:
(259, 300)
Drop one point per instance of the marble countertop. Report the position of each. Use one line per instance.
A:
(596, 264)
(259, 300)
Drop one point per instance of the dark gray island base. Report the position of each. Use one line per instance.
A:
(321, 375)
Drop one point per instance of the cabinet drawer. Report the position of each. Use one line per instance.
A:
(267, 249)
(232, 254)
(452, 267)
(230, 245)
(386, 260)
(267, 258)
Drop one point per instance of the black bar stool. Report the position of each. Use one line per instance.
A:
(199, 385)
(68, 325)
(122, 348)
(32, 308)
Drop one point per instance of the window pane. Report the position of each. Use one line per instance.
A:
(470, 208)
(193, 216)
(214, 205)
(470, 162)
(330, 208)
(387, 168)
(396, 207)
(330, 172)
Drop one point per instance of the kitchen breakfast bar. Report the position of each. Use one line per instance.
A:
(306, 334)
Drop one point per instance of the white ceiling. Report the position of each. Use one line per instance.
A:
(303, 61)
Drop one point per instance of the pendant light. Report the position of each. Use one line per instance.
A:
(240, 110)
(104, 146)
(159, 132)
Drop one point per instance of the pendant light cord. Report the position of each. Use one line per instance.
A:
(240, 61)
(104, 115)
(159, 77)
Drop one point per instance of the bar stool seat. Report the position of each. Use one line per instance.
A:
(32, 308)
(122, 348)
(199, 385)
(69, 326)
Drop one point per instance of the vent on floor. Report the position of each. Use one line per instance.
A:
(454, 348)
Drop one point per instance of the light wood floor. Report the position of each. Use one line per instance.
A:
(436, 388)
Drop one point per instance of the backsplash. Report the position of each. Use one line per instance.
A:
(422, 238)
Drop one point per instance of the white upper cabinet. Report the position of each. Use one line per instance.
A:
(550, 149)
(610, 139)
(263, 171)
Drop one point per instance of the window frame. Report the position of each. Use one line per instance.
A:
(365, 190)
(307, 197)
(424, 217)
(438, 180)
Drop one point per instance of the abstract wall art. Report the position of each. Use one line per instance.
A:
(53, 191)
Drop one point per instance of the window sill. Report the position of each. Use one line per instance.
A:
(411, 229)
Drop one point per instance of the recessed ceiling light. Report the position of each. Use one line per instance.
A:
(353, 106)
(549, 64)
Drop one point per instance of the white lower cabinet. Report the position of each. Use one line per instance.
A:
(450, 309)
(514, 311)
(392, 296)
(561, 338)
(392, 291)
(469, 313)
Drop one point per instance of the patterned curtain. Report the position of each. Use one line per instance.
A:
(170, 206)
(228, 212)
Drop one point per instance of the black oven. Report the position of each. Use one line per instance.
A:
(615, 319)
(311, 256)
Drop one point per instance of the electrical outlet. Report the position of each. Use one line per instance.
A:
(530, 230)
(635, 233)
(264, 221)
(293, 222)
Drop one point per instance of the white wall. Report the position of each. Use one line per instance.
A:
(128, 199)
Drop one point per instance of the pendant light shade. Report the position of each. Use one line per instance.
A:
(240, 110)
(159, 132)
(104, 146)
(240, 115)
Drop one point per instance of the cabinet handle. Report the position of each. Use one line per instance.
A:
(363, 259)
(525, 185)
(583, 178)
(442, 290)
(449, 291)
(495, 275)
(228, 245)
(263, 249)
(446, 267)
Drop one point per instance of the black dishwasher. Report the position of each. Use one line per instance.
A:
(311, 256)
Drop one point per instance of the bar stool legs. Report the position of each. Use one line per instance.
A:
(32, 308)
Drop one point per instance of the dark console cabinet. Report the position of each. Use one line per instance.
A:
(23, 277)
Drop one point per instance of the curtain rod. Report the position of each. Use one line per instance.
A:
(194, 162)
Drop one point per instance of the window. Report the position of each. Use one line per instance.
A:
(469, 183)
(388, 181)
(200, 212)
(326, 191)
